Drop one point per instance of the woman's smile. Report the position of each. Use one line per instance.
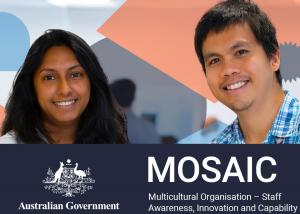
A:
(65, 103)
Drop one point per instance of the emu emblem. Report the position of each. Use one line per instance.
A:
(68, 180)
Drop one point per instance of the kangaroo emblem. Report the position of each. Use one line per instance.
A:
(79, 173)
(58, 173)
(68, 180)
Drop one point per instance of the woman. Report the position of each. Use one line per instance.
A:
(61, 95)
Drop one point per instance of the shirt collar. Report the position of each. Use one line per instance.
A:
(286, 123)
(287, 120)
(237, 132)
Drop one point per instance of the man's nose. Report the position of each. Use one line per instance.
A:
(230, 68)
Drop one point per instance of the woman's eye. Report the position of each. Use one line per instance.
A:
(241, 52)
(76, 75)
(49, 77)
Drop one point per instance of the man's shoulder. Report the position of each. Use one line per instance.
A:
(296, 111)
(296, 114)
(287, 121)
(227, 135)
(293, 110)
(293, 103)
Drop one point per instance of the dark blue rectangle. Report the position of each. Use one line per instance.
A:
(121, 175)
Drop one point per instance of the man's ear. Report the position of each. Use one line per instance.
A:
(275, 60)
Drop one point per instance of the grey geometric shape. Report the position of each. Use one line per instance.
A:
(290, 61)
(118, 62)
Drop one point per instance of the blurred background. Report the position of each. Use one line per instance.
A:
(174, 113)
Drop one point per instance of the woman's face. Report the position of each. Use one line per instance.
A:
(62, 87)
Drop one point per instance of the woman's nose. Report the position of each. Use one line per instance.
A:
(64, 87)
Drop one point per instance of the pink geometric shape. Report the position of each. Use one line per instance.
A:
(2, 116)
(162, 32)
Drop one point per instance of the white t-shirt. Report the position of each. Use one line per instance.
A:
(8, 138)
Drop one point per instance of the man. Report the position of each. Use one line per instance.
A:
(140, 131)
(238, 50)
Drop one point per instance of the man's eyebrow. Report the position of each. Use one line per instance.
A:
(238, 45)
(209, 55)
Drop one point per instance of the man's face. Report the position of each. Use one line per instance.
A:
(238, 71)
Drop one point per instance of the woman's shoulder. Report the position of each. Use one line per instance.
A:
(8, 138)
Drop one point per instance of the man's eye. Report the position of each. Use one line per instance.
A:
(49, 77)
(214, 61)
(241, 52)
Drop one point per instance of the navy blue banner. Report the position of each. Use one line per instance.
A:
(149, 179)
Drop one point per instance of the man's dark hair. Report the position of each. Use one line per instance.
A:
(124, 91)
(101, 122)
(232, 12)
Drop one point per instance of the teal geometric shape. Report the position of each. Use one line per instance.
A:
(204, 136)
(14, 42)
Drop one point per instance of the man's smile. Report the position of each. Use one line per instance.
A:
(236, 85)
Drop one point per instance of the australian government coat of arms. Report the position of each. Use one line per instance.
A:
(68, 180)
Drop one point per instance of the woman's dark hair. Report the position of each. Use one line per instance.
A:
(231, 12)
(101, 121)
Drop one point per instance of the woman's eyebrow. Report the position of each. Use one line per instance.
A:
(74, 66)
(46, 69)
(53, 70)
